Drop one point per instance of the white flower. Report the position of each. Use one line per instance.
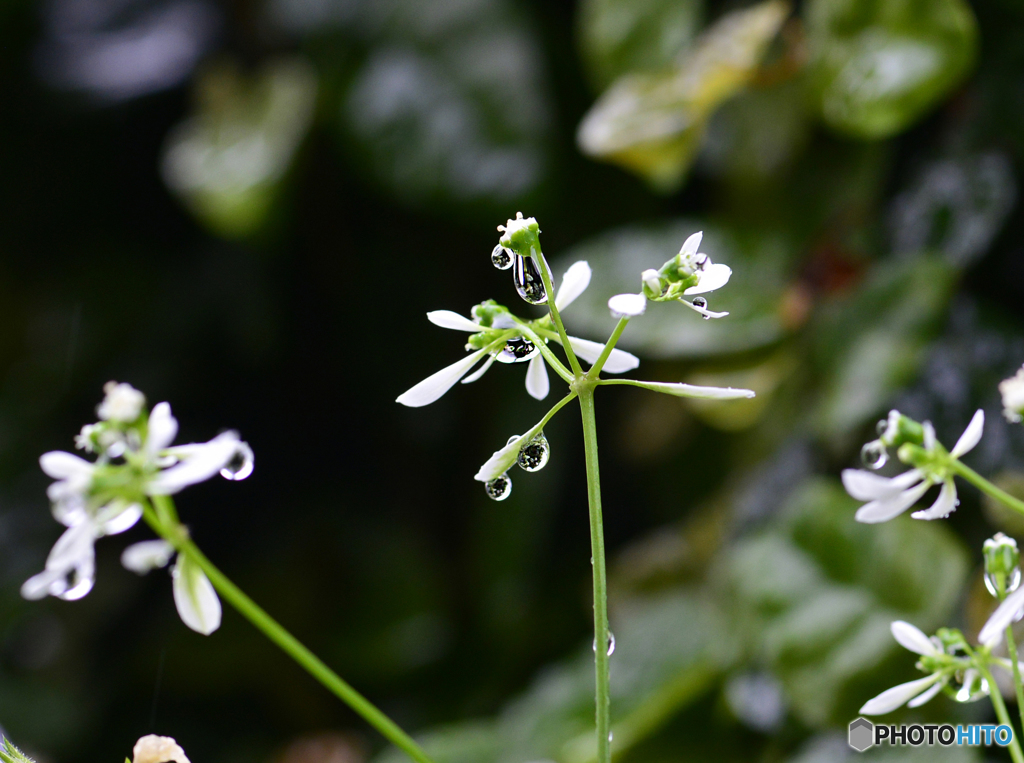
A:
(1012, 390)
(1006, 613)
(122, 403)
(710, 277)
(912, 693)
(627, 305)
(888, 497)
(154, 749)
(574, 282)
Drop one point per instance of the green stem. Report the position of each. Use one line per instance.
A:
(608, 347)
(545, 275)
(178, 538)
(985, 486)
(1001, 714)
(603, 700)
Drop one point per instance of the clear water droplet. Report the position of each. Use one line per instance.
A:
(518, 349)
(512, 439)
(528, 281)
(240, 465)
(499, 488)
(975, 690)
(873, 455)
(74, 586)
(611, 735)
(501, 258)
(611, 643)
(1012, 583)
(881, 426)
(700, 302)
(535, 454)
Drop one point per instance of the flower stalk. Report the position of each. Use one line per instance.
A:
(985, 486)
(1001, 712)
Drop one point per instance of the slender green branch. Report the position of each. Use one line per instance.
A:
(985, 486)
(545, 274)
(601, 641)
(608, 347)
(1001, 713)
(550, 357)
(178, 537)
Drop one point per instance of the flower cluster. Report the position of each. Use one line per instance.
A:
(1012, 392)
(135, 461)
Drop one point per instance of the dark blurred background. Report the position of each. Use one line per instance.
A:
(245, 208)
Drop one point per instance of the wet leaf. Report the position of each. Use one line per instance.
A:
(652, 123)
(879, 65)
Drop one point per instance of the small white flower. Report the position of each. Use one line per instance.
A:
(711, 277)
(913, 693)
(156, 749)
(627, 305)
(122, 403)
(1008, 612)
(1012, 390)
(888, 497)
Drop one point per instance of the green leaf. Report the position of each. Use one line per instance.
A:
(880, 65)
(11, 754)
(652, 123)
(617, 37)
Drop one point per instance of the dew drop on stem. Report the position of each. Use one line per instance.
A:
(528, 281)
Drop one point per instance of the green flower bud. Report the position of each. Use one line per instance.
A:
(899, 429)
(521, 235)
(1002, 564)
(487, 312)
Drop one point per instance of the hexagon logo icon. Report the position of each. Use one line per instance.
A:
(862, 734)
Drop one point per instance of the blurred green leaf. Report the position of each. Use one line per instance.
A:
(760, 264)
(652, 124)
(11, 754)
(618, 37)
(879, 65)
(227, 161)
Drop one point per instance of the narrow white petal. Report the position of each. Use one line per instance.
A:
(480, 371)
(868, 486)
(62, 466)
(148, 555)
(920, 699)
(195, 598)
(38, 586)
(72, 553)
(202, 462)
(884, 509)
(971, 435)
(117, 516)
(537, 383)
(703, 310)
(619, 361)
(944, 505)
(692, 243)
(711, 278)
(693, 390)
(897, 696)
(446, 319)
(434, 386)
(992, 632)
(574, 282)
(163, 428)
(912, 638)
(627, 305)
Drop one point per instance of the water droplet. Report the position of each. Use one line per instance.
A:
(535, 454)
(499, 488)
(1012, 583)
(611, 643)
(700, 302)
(528, 281)
(611, 735)
(881, 426)
(74, 586)
(518, 349)
(975, 689)
(240, 465)
(873, 455)
(501, 258)
(512, 439)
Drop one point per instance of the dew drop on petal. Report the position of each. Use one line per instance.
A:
(501, 258)
(881, 426)
(240, 465)
(512, 439)
(535, 454)
(499, 488)
(518, 349)
(873, 455)
(700, 302)
(528, 281)
(74, 587)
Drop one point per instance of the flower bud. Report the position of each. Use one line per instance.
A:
(653, 286)
(1012, 390)
(1002, 570)
(521, 235)
(898, 429)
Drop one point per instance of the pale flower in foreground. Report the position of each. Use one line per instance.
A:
(888, 497)
(1012, 391)
(156, 749)
(913, 693)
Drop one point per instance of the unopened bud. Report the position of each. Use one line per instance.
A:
(898, 429)
(1002, 565)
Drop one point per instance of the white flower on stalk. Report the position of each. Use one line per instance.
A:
(157, 749)
(888, 497)
(574, 282)
(913, 693)
(1012, 391)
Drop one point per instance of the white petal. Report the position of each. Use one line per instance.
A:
(435, 385)
(163, 428)
(117, 516)
(920, 699)
(971, 435)
(38, 586)
(868, 486)
(912, 638)
(446, 319)
(61, 465)
(944, 505)
(537, 383)
(884, 509)
(619, 361)
(202, 462)
(574, 282)
(627, 305)
(693, 390)
(711, 278)
(480, 371)
(73, 552)
(148, 555)
(194, 597)
(992, 632)
(692, 243)
(703, 310)
(897, 696)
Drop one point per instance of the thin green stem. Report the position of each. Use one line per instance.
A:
(608, 347)
(985, 486)
(545, 274)
(178, 537)
(601, 641)
(1001, 713)
(552, 359)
